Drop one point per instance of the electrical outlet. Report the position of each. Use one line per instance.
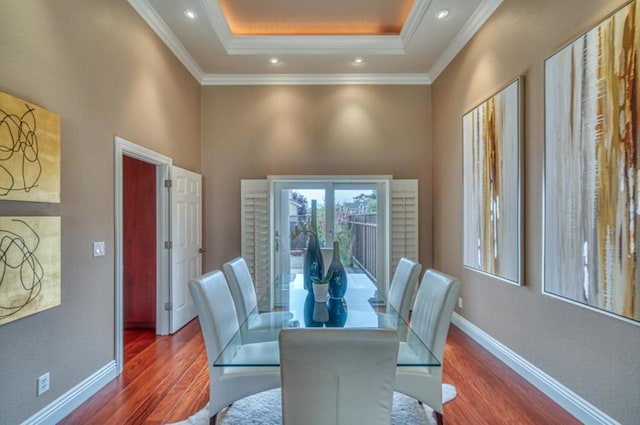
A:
(43, 384)
(460, 302)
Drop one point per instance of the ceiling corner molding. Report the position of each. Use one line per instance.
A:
(314, 79)
(413, 21)
(475, 22)
(158, 25)
(218, 21)
(315, 45)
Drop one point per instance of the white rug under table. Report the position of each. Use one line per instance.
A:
(265, 409)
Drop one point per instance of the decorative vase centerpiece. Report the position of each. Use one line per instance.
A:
(321, 287)
(310, 311)
(320, 313)
(338, 280)
(313, 262)
(320, 291)
(337, 312)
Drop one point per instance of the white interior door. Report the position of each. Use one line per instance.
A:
(186, 237)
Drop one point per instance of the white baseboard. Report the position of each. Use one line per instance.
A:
(65, 404)
(570, 401)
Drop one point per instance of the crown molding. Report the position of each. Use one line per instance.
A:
(475, 22)
(315, 45)
(151, 17)
(310, 44)
(269, 45)
(218, 21)
(413, 20)
(314, 79)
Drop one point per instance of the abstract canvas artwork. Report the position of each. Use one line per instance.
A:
(492, 180)
(29, 266)
(592, 179)
(29, 152)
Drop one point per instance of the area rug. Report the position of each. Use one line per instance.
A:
(265, 409)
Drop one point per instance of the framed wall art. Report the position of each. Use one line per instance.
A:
(29, 266)
(29, 152)
(492, 183)
(591, 176)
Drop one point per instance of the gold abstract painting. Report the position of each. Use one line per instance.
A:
(592, 191)
(491, 180)
(29, 266)
(29, 152)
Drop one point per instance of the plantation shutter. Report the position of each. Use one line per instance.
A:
(404, 221)
(255, 225)
(254, 234)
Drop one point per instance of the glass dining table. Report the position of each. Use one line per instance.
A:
(361, 307)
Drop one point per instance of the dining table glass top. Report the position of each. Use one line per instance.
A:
(255, 344)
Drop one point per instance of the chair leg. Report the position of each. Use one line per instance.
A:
(439, 417)
(212, 420)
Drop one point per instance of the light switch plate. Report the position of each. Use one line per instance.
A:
(98, 249)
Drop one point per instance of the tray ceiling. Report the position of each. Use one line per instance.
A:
(238, 41)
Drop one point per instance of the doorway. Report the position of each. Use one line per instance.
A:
(177, 207)
(139, 244)
(348, 212)
(161, 208)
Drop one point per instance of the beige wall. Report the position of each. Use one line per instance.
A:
(99, 66)
(593, 354)
(106, 73)
(252, 132)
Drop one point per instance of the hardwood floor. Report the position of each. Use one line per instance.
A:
(166, 380)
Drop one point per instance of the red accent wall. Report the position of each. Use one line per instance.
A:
(139, 243)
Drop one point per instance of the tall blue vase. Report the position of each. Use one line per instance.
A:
(313, 262)
(337, 312)
(338, 282)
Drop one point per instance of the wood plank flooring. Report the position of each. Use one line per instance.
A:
(166, 380)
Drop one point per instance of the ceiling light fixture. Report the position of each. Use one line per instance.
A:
(274, 60)
(441, 14)
(358, 60)
(190, 14)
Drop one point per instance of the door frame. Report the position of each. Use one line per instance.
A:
(163, 233)
(384, 211)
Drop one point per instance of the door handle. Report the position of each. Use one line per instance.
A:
(200, 250)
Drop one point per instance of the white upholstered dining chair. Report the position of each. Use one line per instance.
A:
(401, 292)
(219, 325)
(259, 325)
(337, 376)
(430, 322)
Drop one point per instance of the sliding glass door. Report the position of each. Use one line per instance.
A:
(347, 212)
(357, 227)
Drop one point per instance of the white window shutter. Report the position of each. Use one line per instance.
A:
(254, 235)
(404, 221)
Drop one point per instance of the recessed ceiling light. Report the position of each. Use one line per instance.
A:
(190, 14)
(274, 60)
(358, 60)
(441, 14)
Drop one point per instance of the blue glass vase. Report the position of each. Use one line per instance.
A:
(337, 312)
(338, 282)
(313, 262)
